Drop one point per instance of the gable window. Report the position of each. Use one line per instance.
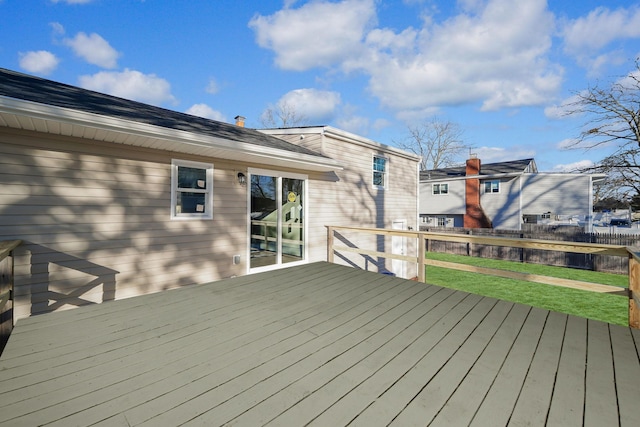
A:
(440, 188)
(492, 186)
(380, 172)
(191, 190)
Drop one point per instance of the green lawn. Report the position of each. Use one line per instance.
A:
(591, 305)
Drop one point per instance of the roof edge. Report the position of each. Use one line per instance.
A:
(74, 117)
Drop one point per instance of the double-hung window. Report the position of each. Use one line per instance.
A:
(440, 188)
(380, 177)
(191, 190)
(492, 186)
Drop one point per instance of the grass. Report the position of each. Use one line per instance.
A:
(604, 307)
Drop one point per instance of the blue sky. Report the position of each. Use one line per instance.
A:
(500, 69)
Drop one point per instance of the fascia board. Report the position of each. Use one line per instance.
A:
(179, 140)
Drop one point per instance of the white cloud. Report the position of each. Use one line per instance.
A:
(203, 110)
(562, 110)
(357, 124)
(495, 52)
(38, 62)
(212, 87)
(499, 154)
(574, 167)
(94, 49)
(588, 37)
(318, 34)
(568, 144)
(496, 55)
(58, 29)
(130, 84)
(316, 105)
(379, 124)
(600, 27)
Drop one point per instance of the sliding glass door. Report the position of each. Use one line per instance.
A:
(277, 220)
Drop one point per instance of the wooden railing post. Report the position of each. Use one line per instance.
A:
(6, 289)
(422, 243)
(634, 289)
(330, 244)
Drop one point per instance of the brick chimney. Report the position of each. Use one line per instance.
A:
(240, 121)
(474, 216)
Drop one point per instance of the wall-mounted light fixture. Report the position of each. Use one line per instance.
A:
(242, 179)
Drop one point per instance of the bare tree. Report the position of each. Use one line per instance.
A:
(613, 119)
(438, 143)
(613, 113)
(282, 115)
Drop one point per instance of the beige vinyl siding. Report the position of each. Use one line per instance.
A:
(312, 141)
(95, 220)
(348, 198)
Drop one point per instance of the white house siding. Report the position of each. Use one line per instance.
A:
(95, 221)
(560, 194)
(348, 197)
(441, 204)
(503, 208)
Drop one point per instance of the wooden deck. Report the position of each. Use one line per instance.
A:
(319, 344)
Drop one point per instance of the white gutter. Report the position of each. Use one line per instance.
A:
(157, 137)
(508, 175)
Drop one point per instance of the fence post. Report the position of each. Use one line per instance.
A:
(634, 290)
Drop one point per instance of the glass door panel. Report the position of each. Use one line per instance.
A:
(277, 219)
(292, 220)
(264, 220)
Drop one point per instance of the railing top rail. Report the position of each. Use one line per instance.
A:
(577, 247)
(6, 246)
(634, 252)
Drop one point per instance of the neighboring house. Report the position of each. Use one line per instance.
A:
(113, 198)
(504, 195)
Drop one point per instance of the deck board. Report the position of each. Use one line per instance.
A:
(567, 405)
(600, 393)
(318, 344)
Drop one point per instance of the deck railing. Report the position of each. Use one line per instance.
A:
(6, 289)
(421, 237)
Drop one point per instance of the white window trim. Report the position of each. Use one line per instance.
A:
(484, 186)
(440, 193)
(208, 212)
(385, 173)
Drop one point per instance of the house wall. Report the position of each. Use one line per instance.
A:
(95, 221)
(560, 194)
(95, 217)
(443, 204)
(503, 208)
(348, 198)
